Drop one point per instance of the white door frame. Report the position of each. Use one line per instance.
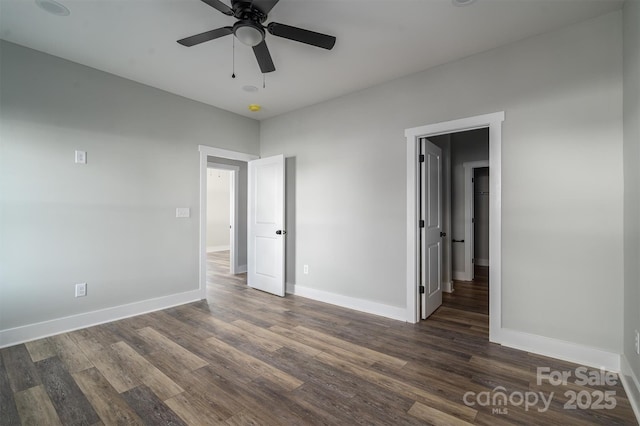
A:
(494, 123)
(469, 215)
(233, 208)
(205, 152)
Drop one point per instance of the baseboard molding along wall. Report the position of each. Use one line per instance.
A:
(361, 305)
(448, 287)
(560, 349)
(459, 276)
(482, 262)
(631, 385)
(241, 269)
(26, 333)
(212, 249)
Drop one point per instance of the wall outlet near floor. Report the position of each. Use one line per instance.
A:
(81, 290)
(305, 269)
(637, 342)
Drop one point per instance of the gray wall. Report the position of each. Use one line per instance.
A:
(218, 208)
(631, 181)
(562, 232)
(465, 147)
(110, 223)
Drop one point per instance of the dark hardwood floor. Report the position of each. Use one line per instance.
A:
(243, 357)
(470, 296)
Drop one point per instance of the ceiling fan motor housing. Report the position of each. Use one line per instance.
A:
(249, 30)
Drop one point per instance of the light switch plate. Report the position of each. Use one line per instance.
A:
(183, 212)
(81, 157)
(81, 290)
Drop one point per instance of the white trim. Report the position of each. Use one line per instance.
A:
(469, 240)
(241, 269)
(631, 385)
(207, 151)
(559, 349)
(482, 262)
(233, 221)
(361, 305)
(213, 249)
(494, 123)
(26, 333)
(225, 153)
(448, 287)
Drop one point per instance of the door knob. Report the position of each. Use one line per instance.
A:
(281, 232)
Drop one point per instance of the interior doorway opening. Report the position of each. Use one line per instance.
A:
(220, 212)
(460, 174)
(414, 136)
(236, 163)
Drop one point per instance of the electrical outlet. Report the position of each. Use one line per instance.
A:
(81, 290)
(305, 269)
(637, 342)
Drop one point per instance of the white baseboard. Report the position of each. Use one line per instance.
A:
(448, 287)
(482, 262)
(241, 269)
(560, 349)
(631, 385)
(212, 249)
(361, 305)
(460, 276)
(26, 333)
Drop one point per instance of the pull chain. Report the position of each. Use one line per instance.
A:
(233, 58)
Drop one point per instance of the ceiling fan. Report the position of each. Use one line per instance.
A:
(250, 15)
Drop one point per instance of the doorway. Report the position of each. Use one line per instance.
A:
(492, 122)
(221, 218)
(235, 162)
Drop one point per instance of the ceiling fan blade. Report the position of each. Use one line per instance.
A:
(217, 4)
(264, 6)
(206, 36)
(264, 57)
(303, 36)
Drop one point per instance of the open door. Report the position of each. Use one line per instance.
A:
(431, 227)
(266, 207)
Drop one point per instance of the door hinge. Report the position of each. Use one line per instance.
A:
(473, 261)
(421, 224)
(472, 180)
(421, 289)
(421, 158)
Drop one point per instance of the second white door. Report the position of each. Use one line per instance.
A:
(431, 231)
(266, 232)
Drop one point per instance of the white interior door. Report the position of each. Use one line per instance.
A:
(431, 237)
(266, 207)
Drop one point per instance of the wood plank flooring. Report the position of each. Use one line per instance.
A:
(243, 357)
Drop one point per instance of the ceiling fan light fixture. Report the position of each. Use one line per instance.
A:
(461, 3)
(248, 33)
(53, 7)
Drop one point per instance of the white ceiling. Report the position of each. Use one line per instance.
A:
(377, 41)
